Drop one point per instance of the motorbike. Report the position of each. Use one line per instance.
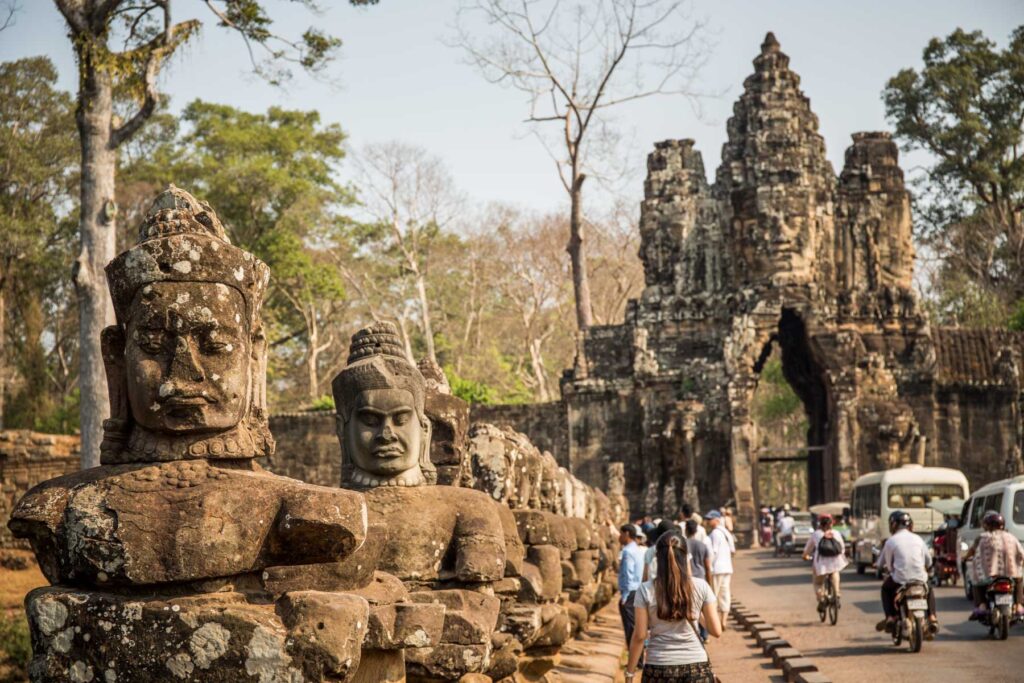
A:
(945, 570)
(912, 606)
(1001, 614)
(785, 546)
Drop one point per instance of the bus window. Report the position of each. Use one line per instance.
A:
(1018, 507)
(873, 502)
(917, 496)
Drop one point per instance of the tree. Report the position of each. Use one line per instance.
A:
(271, 179)
(148, 38)
(410, 194)
(534, 289)
(966, 108)
(37, 155)
(574, 62)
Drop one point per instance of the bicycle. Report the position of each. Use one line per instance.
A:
(829, 605)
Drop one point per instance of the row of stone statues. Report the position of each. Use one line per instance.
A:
(180, 558)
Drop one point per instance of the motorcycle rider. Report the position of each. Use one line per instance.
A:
(785, 527)
(906, 557)
(828, 560)
(996, 552)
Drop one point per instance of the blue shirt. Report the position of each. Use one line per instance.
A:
(631, 569)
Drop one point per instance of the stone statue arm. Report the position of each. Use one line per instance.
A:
(317, 524)
(479, 540)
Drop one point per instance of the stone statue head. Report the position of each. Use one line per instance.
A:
(186, 361)
(381, 421)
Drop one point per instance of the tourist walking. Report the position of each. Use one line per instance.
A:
(723, 546)
(667, 611)
(631, 569)
(688, 513)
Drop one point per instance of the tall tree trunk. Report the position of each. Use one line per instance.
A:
(312, 355)
(537, 366)
(97, 230)
(428, 330)
(580, 282)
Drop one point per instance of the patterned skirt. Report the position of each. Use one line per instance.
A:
(682, 673)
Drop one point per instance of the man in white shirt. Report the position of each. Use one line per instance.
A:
(785, 528)
(722, 545)
(905, 556)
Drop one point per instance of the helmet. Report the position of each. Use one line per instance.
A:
(825, 520)
(900, 519)
(993, 520)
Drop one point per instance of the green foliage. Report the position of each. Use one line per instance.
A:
(325, 402)
(38, 188)
(965, 108)
(15, 645)
(469, 390)
(777, 401)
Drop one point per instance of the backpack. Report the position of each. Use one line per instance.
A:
(829, 547)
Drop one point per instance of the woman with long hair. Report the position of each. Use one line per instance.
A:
(667, 611)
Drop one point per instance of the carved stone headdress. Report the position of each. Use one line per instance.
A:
(182, 240)
(377, 360)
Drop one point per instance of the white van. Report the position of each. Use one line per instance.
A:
(1005, 497)
(909, 488)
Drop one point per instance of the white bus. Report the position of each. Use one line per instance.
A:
(910, 488)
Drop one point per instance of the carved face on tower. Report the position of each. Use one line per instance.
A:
(382, 426)
(186, 362)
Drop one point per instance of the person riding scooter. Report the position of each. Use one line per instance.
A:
(996, 552)
(905, 556)
(784, 530)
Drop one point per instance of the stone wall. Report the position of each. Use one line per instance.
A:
(26, 459)
(307, 447)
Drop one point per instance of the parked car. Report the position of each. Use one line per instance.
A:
(1006, 497)
(803, 529)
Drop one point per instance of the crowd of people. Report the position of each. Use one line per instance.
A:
(674, 582)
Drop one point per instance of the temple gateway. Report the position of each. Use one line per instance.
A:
(777, 252)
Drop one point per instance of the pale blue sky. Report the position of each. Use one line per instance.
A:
(398, 81)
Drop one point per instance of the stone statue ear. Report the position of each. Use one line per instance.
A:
(427, 467)
(117, 428)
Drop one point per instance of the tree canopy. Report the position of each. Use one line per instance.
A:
(965, 107)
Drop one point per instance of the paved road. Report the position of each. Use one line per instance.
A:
(852, 651)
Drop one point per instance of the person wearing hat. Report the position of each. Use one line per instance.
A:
(723, 545)
(631, 571)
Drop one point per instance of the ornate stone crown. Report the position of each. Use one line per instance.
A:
(182, 240)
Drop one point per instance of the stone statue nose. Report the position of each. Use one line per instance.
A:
(184, 364)
(386, 431)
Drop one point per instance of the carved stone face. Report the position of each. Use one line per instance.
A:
(188, 355)
(384, 436)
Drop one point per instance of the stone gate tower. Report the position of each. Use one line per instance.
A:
(778, 251)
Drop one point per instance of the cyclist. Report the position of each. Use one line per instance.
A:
(827, 553)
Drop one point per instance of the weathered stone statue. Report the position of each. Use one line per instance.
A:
(446, 543)
(162, 558)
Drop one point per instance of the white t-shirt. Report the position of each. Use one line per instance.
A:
(786, 525)
(906, 556)
(673, 643)
(722, 547)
